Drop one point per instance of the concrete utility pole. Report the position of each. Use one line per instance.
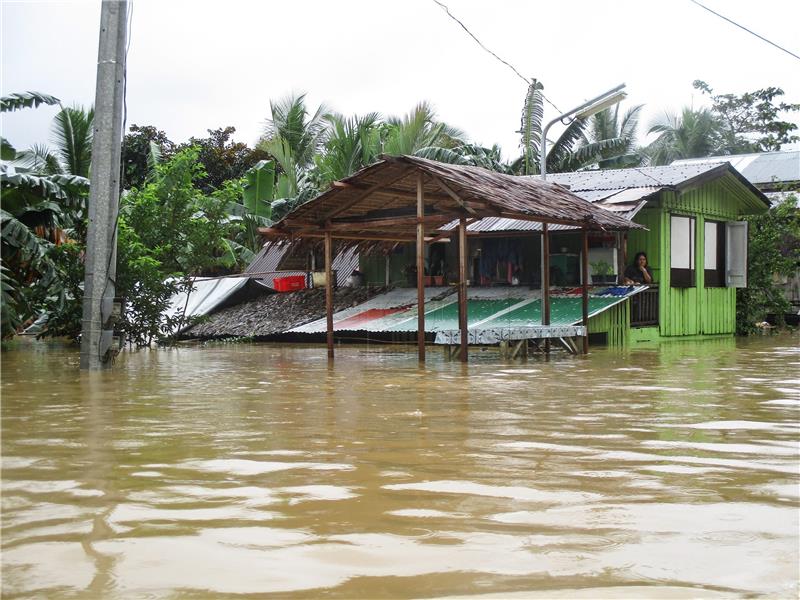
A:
(101, 240)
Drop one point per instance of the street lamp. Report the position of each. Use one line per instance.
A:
(587, 109)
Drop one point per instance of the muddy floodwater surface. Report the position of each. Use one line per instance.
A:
(219, 471)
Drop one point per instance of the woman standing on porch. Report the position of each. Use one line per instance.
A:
(638, 273)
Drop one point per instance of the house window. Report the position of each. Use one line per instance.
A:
(736, 254)
(682, 255)
(714, 254)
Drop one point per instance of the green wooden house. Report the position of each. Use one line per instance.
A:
(696, 243)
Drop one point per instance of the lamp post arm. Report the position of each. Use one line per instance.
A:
(587, 104)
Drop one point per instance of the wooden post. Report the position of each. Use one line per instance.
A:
(546, 281)
(462, 287)
(420, 268)
(585, 288)
(329, 291)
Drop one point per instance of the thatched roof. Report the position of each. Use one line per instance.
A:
(379, 202)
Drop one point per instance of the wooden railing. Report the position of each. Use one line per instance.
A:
(644, 308)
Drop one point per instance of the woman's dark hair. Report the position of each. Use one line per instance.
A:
(636, 258)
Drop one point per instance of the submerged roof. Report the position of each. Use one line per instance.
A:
(760, 168)
(380, 201)
(494, 313)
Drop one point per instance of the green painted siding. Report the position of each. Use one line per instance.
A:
(697, 310)
(647, 241)
(615, 322)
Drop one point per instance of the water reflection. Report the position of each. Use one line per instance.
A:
(261, 469)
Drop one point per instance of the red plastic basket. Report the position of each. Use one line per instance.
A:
(290, 283)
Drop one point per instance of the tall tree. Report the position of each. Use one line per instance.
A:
(419, 132)
(222, 158)
(608, 124)
(351, 143)
(750, 122)
(692, 134)
(143, 147)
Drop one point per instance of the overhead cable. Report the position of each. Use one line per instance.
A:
(481, 44)
(732, 22)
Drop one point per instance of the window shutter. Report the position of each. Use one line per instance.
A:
(736, 254)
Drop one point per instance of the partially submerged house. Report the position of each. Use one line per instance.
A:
(691, 230)
(402, 201)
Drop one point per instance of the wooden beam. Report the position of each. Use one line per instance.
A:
(585, 289)
(390, 222)
(362, 196)
(462, 287)
(271, 232)
(451, 232)
(420, 268)
(452, 194)
(329, 292)
(546, 281)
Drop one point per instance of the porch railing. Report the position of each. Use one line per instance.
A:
(644, 308)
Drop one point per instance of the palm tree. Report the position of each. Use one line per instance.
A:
(571, 151)
(291, 132)
(607, 125)
(693, 134)
(72, 135)
(419, 132)
(350, 144)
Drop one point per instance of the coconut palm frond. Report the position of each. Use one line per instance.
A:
(72, 134)
(531, 128)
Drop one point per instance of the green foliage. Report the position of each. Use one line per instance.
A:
(693, 134)
(222, 159)
(602, 267)
(259, 188)
(63, 302)
(750, 122)
(72, 135)
(291, 132)
(351, 144)
(143, 147)
(25, 100)
(147, 291)
(774, 250)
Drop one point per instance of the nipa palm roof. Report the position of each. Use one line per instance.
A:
(380, 201)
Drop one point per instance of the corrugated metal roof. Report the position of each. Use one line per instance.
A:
(758, 168)
(494, 313)
(269, 258)
(637, 177)
(623, 202)
(205, 297)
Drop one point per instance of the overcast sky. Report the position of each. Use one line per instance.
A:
(199, 65)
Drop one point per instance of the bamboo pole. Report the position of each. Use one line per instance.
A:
(546, 281)
(462, 287)
(585, 289)
(420, 268)
(329, 291)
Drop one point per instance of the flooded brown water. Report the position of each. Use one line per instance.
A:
(214, 472)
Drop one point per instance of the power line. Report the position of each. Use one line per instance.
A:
(481, 44)
(732, 22)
